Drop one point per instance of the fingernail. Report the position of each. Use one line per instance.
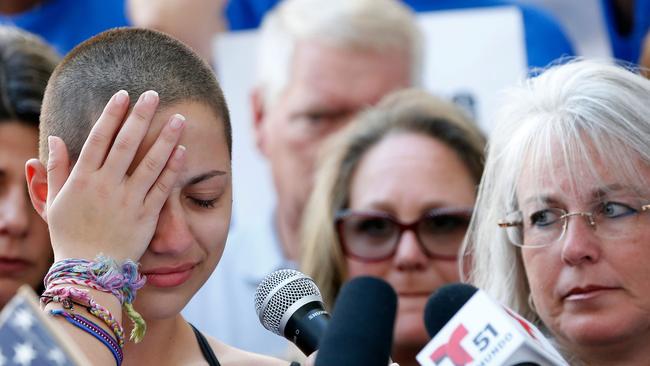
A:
(51, 143)
(150, 96)
(177, 121)
(121, 97)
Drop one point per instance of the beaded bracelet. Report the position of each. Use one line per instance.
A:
(93, 329)
(70, 295)
(103, 274)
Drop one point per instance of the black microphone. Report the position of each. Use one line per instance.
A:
(361, 330)
(290, 305)
(444, 304)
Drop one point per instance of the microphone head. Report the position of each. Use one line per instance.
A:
(361, 329)
(444, 304)
(279, 293)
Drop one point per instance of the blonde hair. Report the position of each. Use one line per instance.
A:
(573, 114)
(378, 25)
(407, 111)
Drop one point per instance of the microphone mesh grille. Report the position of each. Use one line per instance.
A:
(281, 298)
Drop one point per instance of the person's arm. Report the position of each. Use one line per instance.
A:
(97, 208)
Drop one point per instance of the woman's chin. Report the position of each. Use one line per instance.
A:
(410, 331)
(154, 304)
(602, 332)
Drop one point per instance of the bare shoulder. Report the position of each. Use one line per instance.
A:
(231, 356)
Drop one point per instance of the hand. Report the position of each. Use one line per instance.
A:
(98, 208)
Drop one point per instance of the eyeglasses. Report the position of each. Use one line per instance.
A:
(544, 227)
(373, 236)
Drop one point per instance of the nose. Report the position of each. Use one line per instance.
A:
(172, 235)
(580, 244)
(14, 212)
(409, 255)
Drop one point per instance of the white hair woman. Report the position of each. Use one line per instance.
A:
(562, 223)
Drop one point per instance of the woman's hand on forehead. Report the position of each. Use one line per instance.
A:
(98, 208)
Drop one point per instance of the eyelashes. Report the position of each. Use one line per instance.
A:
(203, 203)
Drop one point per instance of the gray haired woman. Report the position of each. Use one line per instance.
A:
(561, 231)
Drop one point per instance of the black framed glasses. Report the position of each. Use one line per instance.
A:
(372, 236)
(546, 226)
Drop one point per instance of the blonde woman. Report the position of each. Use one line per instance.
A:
(392, 199)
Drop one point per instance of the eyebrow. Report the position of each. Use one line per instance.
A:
(205, 176)
(609, 188)
(544, 199)
(595, 194)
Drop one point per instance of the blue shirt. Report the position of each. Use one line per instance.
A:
(66, 23)
(628, 46)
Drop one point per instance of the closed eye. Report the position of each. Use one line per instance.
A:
(203, 203)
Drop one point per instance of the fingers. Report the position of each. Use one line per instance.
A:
(58, 166)
(101, 136)
(152, 164)
(162, 187)
(131, 134)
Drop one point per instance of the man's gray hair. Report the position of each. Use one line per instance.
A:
(367, 24)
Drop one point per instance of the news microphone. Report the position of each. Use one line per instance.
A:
(468, 329)
(289, 304)
(361, 330)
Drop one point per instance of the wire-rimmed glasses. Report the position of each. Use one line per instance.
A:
(546, 226)
(372, 236)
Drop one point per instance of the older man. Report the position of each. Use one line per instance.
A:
(319, 64)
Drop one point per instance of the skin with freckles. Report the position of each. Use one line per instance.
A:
(592, 292)
(406, 175)
(25, 251)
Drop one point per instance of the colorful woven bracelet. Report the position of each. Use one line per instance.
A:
(68, 296)
(103, 274)
(93, 329)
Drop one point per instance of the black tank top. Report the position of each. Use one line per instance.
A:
(207, 352)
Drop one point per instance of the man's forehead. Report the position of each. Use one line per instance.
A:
(343, 82)
(319, 62)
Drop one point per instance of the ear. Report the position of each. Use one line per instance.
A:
(258, 109)
(36, 175)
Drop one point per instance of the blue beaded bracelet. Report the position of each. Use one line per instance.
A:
(93, 329)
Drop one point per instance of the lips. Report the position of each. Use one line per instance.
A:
(586, 292)
(12, 266)
(169, 276)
